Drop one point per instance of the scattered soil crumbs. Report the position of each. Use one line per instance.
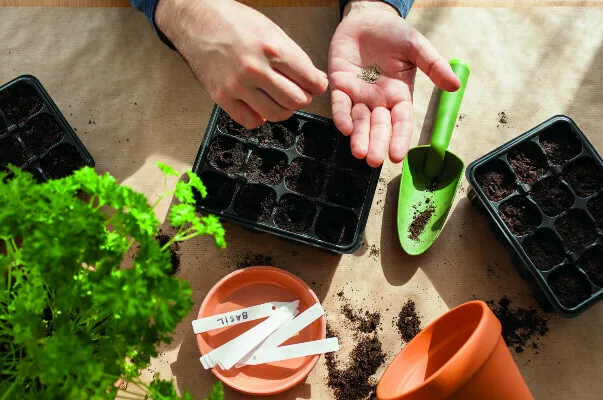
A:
(174, 248)
(365, 323)
(374, 252)
(420, 221)
(370, 74)
(253, 260)
(409, 323)
(520, 326)
(502, 118)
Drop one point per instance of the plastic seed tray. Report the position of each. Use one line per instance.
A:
(296, 179)
(34, 135)
(543, 192)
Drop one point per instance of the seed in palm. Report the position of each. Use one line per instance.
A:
(370, 74)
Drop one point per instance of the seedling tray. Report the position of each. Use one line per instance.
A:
(34, 134)
(296, 179)
(543, 192)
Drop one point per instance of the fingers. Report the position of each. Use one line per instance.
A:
(402, 125)
(286, 93)
(265, 105)
(341, 107)
(295, 64)
(242, 113)
(426, 57)
(380, 134)
(361, 118)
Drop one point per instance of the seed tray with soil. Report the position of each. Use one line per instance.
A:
(307, 186)
(34, 133)
(543, 192)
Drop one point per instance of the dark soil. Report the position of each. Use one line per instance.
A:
(277, 134)
(228, 125)
(305, 176)
(220, 190)
(528, 162)
(37, 175)
(174, 248)
(354, 382)
(409, 323)
(266, 166)
(255, 202)
(520, 215)
(595, 206)
(347, 189)
(570, 286)
(591, 262)
(420, 221)
(502, 118)
(61, 161)
(544, 249)
(577, 230)
(317, 140)
(520, 326)
(2, 126)
(336, 225)
(41, 133)
(254, 260)
(559, 143)
(294, 213)
(585, 176)
(496, 180)
(552, 196)
(11, 152)
(365, 323)
(346, 159)
(20, 102)
(227, 154)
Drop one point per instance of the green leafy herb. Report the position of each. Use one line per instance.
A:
(74, 320)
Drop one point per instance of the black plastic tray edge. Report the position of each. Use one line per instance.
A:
(502, 228)
(351, 248)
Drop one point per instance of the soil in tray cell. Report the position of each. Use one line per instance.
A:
(41, 133)
(220, 190)
(2, 127)
(544, 249)
(595, 206)
(255, 202)
(585, 176)
(347, 160)
(591, 262)
(318, 140)
(20, 102)
(496, 180)
(11, 152)
(570, 286)
(336, 225)
(277, 134)
(227, 154)
(347, 189)
(552, 196)
(37, 175)
(577, 230)
(228, 125)
(61, 161)
(305, 176)
(560, 143)
(294, 213)
(520, 215)
(266, 166)
(528, 162)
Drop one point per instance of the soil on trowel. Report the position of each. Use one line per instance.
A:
(552, 196)
(520, 215)
(570, 286)
(584, 176)
(419, 222)
(577, 230)
(496, 180)
(544, 249)
(409, 323)
(163, 239)
(559, 143)
(522, 327)
(528, 162)
(591, 262)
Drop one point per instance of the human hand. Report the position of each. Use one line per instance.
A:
(379, 115)
(247, 64)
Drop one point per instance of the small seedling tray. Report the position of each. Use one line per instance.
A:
(34, 135)
(543, 192)
(296, 179)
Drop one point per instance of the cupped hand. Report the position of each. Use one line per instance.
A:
(379, 115)
(248, 65)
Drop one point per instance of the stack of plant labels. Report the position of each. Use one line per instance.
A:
(262, 343)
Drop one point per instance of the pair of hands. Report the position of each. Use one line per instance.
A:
(255, 72)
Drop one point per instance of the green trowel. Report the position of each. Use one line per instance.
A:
(431, 175)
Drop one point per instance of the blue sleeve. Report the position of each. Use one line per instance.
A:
(148, 8)
(403, 6)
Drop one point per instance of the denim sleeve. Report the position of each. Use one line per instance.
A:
(403, 6)
(148, 8)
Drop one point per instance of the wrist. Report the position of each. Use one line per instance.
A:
(166, 15)
(355, 6)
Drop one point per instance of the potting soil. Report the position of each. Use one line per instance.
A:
(409, 323)
(420, 221)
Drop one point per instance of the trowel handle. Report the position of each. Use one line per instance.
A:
(448, 110)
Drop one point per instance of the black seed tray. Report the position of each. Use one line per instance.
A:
(34, 134)
(543, 194)
(296, 179)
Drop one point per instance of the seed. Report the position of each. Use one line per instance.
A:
(370, 74)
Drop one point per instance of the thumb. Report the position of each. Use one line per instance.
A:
(426, 57)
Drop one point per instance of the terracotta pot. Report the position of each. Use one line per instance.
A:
(461, 355)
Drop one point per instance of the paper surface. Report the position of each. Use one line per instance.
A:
(133, 101)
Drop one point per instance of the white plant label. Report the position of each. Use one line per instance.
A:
(236, 317)
(282, 353)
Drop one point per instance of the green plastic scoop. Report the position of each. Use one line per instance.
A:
(431, 175)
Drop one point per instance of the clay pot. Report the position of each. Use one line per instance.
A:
(461, 355)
